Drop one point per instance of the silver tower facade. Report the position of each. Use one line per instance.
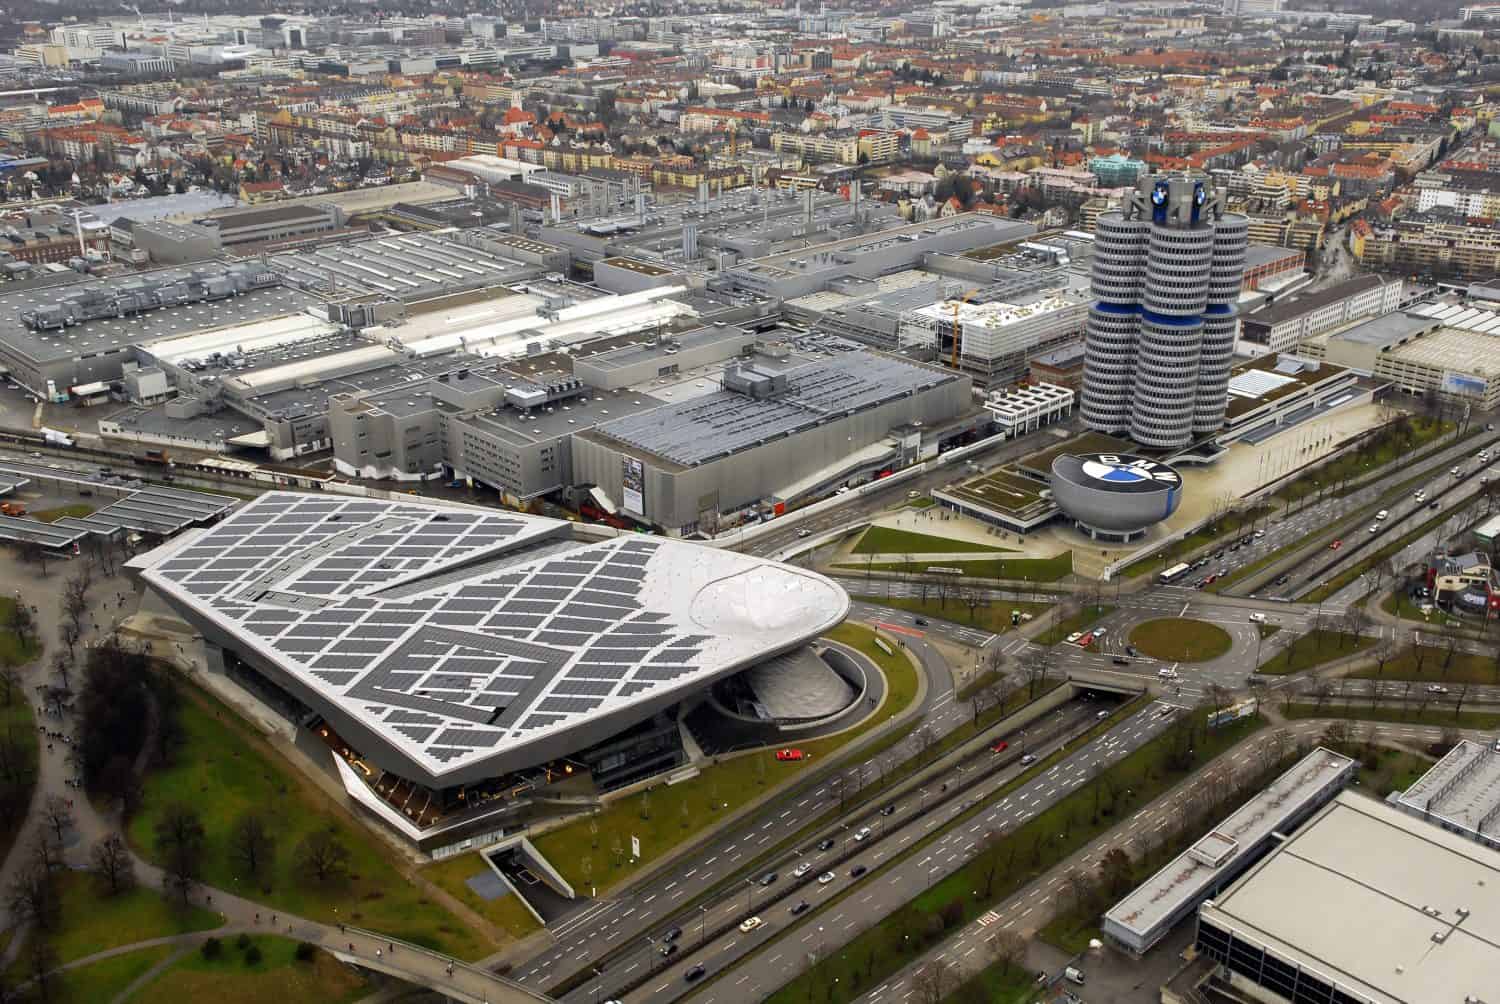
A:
(1167, 271)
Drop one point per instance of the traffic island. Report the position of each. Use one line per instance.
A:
(1180, 639)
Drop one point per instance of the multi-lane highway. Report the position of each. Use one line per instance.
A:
(765, 958)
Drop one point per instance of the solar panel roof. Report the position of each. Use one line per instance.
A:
(462, 637)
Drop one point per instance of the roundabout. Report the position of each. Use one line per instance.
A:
(1180, 639)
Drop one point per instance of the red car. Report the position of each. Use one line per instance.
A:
(789, 754)
(1336, 545)
(1000, 747)
(1086, 641)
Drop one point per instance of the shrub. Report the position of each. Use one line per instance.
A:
(252, 955)
(242, 942)
(305, 951)
(212, 948)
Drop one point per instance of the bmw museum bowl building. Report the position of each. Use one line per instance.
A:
(1114, 496)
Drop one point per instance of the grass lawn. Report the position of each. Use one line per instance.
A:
(995, 985)
(1402, 605)
(669, 815)
(18, 717)
(1039, 844)
(892, 540)
(1052, 569)
(91, 922)
(1078, 622)
(1313, 649)
(1431, 714)
(1180, 639)
(100, 981)
(12, 652)
(506, 912)
(1390, 770)
(1361, 462)
(223, 770)
(1430, 664)
(77, 510)
(278, 977)
(991, 615)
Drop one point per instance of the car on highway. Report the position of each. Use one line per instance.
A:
(889, 810)
(1073, 638)
(1086, 640)
(1382, 514)
(672, 935)
(1218, 554)
(1166, 674)
(919, 621)
(826, 844)
(749, 924)
(1235, 546)
(1419, 495)
(803, 534)
(1436, 688)
(1120, 660)
(1200, 583)
(1028, 759)
(769, 878)
(1257, 618)
(800, 908)
(801, 869)
(789, 754)
(1374, 527)
(1000, 747)
(1435, 504)
(862, 834)
(825, 878)
(1103, 714)
(1337, 543)
(1282, 580)
(1455, 471)
(695, 974)
(1200, 562)
(1211, 580)
(857, 871)
(913, 495)
(1100, 632)
(667, 951)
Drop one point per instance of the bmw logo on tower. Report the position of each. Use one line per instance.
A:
(1115, 496)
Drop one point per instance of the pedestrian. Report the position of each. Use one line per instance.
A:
(257, 918)
(377, 953)
(273, 918)
(392, 947)
(351, 946)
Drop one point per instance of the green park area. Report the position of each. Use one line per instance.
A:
(107, 978)
(595, 851)
(506, 912)
(1180, 639)
(1051, 569)
(18, 641)
(254, 970)
(90, 919)
(972, 610)
(1008, 862)
(891, 540)
(1433, 664)
(18, 736)
(313, 860)
(1396, 439)
(1307, 651)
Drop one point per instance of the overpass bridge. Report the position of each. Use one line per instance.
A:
(455, 980)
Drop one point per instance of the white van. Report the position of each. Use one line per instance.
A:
(1257, 618)
(1166, 674)
(1382, 514)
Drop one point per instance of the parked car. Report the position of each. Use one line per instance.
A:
(789, 754)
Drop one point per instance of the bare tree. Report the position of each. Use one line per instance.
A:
(32, 897)
(252, 845)
(57, 816)
(112, 863)
(935, 981)
(10, 679)
(42, 961)
(1009, 950)
(179, 838)
(323, 856)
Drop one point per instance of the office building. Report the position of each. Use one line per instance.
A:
(1281, 326)
(1167, 270)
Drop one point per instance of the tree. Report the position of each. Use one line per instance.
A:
(251, 845)
(1009, 950)
(32, 897)
(42, 961)
(1116, 872)
(112, 864)
(322, 856)
(934, 982)
(179, 840)
(57, 816)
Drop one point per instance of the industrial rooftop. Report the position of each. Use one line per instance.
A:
(403, 266)
(462, 640)
(1462, 790)
(1387, 908)
(719, 424)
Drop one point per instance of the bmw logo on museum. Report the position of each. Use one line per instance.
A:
(1115, 496)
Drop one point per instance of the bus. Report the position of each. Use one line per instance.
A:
(1174, 573)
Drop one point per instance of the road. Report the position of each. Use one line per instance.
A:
(597, 928)
(768, 957)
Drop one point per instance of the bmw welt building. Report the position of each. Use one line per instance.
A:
(1114, 497)
(457, 661)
